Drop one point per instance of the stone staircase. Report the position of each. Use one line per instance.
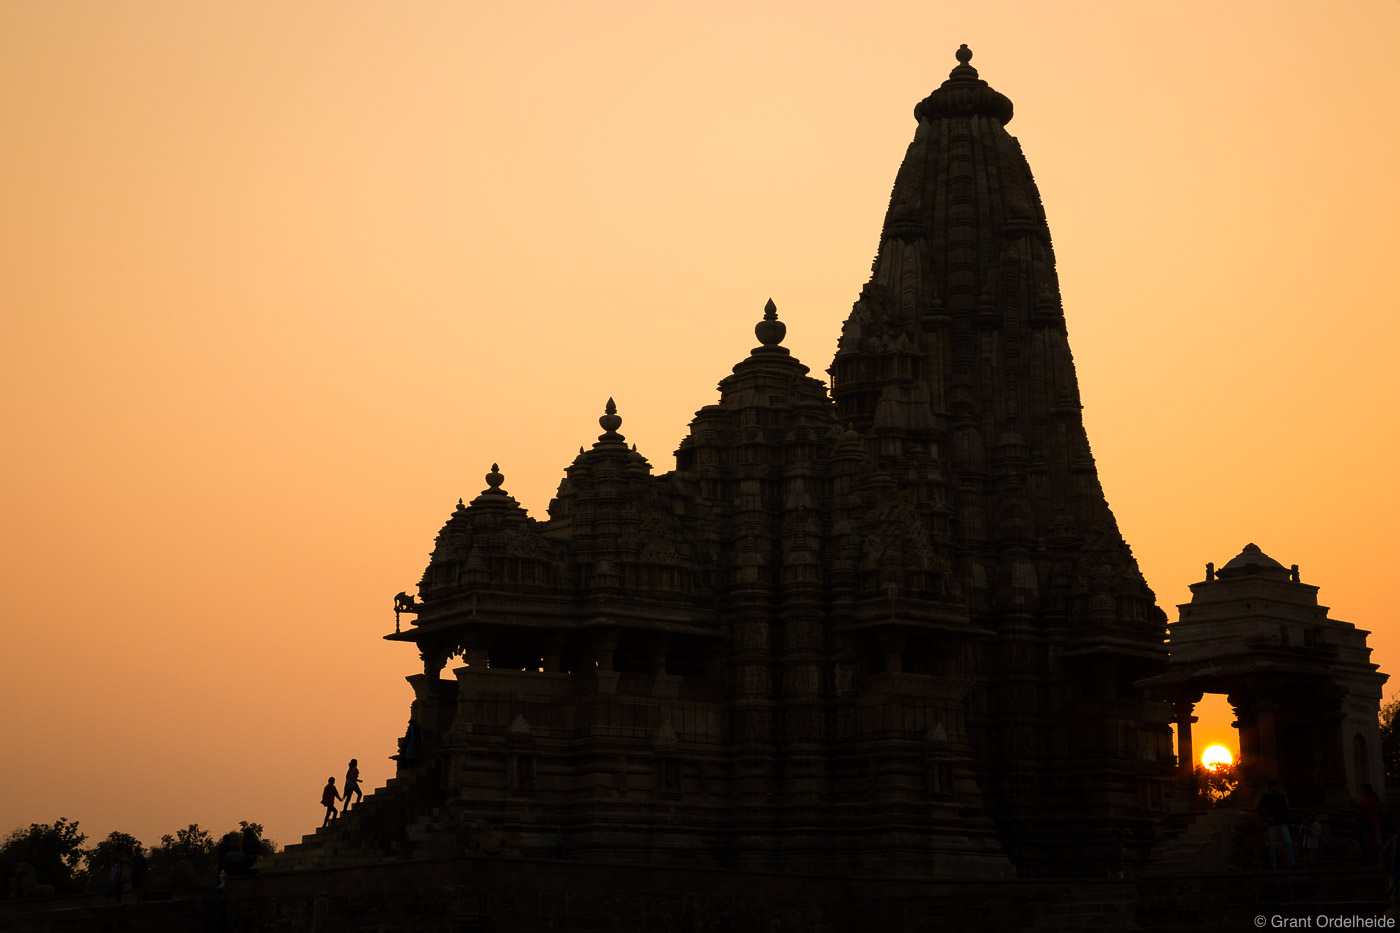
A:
(1212, 874)
(1213, 902)
(382, 826)
(1202, 845)
(1109, 905)
(1195, 903)
(1233, 839)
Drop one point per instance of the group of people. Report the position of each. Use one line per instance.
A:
(129, 868)
(236, 854)
(1273, 807)
(330, 795)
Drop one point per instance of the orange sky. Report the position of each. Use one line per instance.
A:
(281, 281)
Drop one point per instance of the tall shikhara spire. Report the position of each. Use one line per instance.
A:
(957, 350)
(963, 307)
(956, 354)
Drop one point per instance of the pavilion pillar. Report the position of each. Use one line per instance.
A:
(662, 683)
(1268, 740)
(604, 646)
(892, 646)
(553, 648)
(1185, 752)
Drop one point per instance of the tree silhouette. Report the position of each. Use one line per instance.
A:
(53, 850)
(1218, 783)
(1390, 741)
(268, 847)
(184, 861)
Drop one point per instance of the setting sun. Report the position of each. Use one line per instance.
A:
(1216, 757)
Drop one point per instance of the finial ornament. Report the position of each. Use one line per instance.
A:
(610, 421)
(964, 94)
(494, 479)
(770, 331)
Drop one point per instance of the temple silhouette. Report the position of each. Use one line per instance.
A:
(888, 628)
(872, 657)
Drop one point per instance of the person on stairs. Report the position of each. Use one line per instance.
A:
(328, 798)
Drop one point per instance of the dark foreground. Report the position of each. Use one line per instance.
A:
(486, 895)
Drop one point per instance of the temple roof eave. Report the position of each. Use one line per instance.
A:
(556, 625)
(1138, 648)
(560, 628)
(927, 625)
(914, 613)
(560, 615)
(1287, 666)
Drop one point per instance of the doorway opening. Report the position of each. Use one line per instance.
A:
(1216, 747)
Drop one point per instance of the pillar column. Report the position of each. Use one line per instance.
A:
(553, 648)
(604, 643)
(662, 683)
(658, 647)
(1185, 751)
(1268, 740)
(892, 645)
